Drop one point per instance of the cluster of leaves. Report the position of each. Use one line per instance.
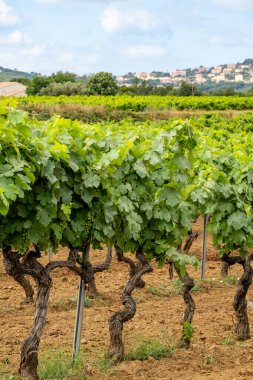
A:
(65, 183)
(136, 185)
(66, 88)
(102, 83)
(35, 85)
(65, 83)
(223, 183)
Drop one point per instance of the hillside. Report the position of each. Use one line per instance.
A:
(8, 74)
(229, 75)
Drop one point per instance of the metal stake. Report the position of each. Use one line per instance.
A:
(203, 260)
(80, 308)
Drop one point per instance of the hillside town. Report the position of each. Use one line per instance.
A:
(226, 73)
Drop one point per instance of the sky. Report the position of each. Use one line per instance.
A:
(121, 36)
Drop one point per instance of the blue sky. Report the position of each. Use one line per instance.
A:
(86, 36)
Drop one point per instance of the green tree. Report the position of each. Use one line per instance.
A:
(66, 88)
(188, 89)
(40, 82)
(37, 84)
(229, 91)
(250, 92)
(24, 81)
(62, 77)
(102, 83)
(143, 87)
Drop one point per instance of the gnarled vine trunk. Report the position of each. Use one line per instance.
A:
(28, 265)
(91, 270)
(188, 284)
(29, 349)
(133, 267)
(117, 320)
(11, 270)
(242, 328)
(224, 268)
(171, 269)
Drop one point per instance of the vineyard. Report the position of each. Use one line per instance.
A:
(141, 103)
(131, 195)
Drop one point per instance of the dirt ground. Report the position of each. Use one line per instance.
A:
(214, 355)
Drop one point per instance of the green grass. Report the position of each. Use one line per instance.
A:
(175, 287)
(3, 374)
(215, 283)
(228, 342)
(156, 348)
(88, 302)
(139, 299)
(7, 377)
(65, 304)
(57, 364)
(5, 360)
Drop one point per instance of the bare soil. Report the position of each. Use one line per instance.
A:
(214, 355)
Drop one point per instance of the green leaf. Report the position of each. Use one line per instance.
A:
(169, 195)
(237, 220)
(57, 230)
(91, 180)
(42, 216)
(66, 210)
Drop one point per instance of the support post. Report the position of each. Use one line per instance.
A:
(203, 260)
(80, 308)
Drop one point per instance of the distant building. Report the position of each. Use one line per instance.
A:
(217, 70)
(227, 70)
(178, 79)
(120, 78)
(12, 89)
(200, 79)
(142, 75)
(245, 66)
(228, 73)
(231, 65)
(178, 73)
(219, 78)
(201, 69)
(238, 77)
(165, 80)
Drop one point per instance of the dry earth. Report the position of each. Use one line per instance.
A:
(214, 355)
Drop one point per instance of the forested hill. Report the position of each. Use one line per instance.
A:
(8, 74)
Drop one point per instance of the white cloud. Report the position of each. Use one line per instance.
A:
(33, 51)
(144, 51)
(29, 56)
(224, 40)
(114, 19)
(88, 1)
(48, 1)
(13, 38)
(8, 15)
(237, 5)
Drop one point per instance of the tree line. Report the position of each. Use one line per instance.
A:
(104, 83)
